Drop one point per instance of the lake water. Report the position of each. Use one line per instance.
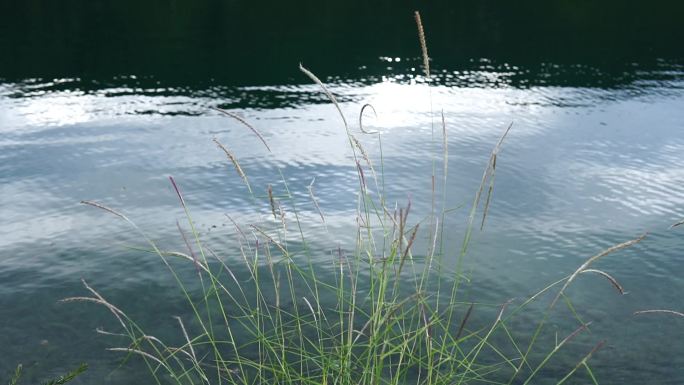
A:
(594, 158)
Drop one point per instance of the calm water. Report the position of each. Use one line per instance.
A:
(104, 105)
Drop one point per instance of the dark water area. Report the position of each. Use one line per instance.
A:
(104, 100)
(261, 42)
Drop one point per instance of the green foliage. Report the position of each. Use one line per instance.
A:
(56, 381)
(68, 377)
(17, 374)
(379, 313)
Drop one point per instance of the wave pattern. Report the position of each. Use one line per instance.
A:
(585, 167)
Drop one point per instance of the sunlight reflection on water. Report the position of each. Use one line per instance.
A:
(584, 167)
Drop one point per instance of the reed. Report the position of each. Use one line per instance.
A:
(246, 124)
(423, 44)
(235, 163)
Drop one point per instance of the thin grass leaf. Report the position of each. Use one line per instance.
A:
(554, 351)
(187, 338)
(314, 200)
(244, 122)
(235, 162)
(434, 243)
(327, 93)
(492, 174)
(491, 171)
(362, 176)
(271, 201)
(178, 254)
(461, 327)
(151, 338)
(141, 353)
(483, 342)
(582, 362)
(281, 212)
(173, 351)
(361, 118)
(407, 250)
(478, 195)
(610, 278)
(364, 155)
(105, 208)
(270, 239)
(572, 335)
(427, 323)
(591, 373)
(593, 259)
(664, 311)
(104, 332)
(177, 190)
(310, 308)
(445, 149)
(16, 375)
(678, 224)
(69, 376)
(237, 227)
(187, 244)
(99, 300)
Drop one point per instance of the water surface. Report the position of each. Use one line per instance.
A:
(593, 159)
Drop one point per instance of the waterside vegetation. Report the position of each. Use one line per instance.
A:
(397, 315)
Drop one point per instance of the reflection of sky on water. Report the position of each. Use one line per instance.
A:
(587, 147)
(577, 152)
(583, 168)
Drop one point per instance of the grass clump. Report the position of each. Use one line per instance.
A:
(379, 313)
